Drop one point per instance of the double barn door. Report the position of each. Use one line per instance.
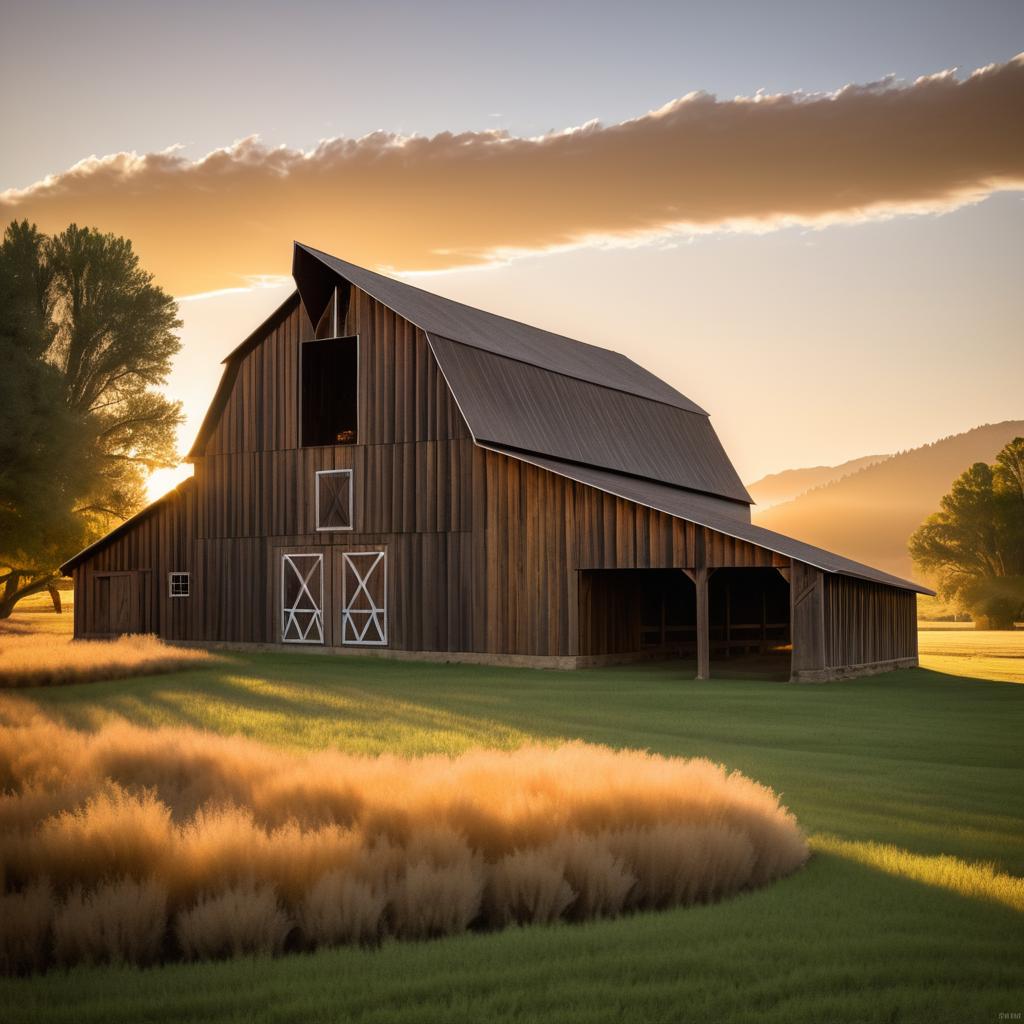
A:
(334, 597)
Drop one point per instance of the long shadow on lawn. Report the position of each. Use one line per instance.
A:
(916, 758)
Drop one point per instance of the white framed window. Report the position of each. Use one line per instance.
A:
(178, 584)
(364, 598)
(333, 499)
(302, 599)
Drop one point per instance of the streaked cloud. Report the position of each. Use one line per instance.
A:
(414, 203)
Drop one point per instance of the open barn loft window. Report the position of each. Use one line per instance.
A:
(334, 499)
(328, 402)
(177, 584)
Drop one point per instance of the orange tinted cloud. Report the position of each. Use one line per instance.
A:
(414, 203)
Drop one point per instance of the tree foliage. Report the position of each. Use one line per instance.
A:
(974, 545)
(85, 339)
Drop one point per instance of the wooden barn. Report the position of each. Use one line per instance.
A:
(385, 470)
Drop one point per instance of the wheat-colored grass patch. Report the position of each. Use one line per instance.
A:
(41, 659)
(133, 845)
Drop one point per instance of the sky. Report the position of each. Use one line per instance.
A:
(805, 216)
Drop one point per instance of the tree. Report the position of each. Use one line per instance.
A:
(85, 338)
(974, 546)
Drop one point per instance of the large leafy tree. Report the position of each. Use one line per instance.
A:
(974, 545)
(86, 339)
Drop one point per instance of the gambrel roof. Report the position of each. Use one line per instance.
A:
(529, 390)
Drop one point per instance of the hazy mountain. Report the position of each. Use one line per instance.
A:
(870, 514)
(791, 483)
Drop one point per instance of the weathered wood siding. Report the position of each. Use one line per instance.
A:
(402, 395)
(534, 531)
(160, 543)
(485, 553)
(867, 623)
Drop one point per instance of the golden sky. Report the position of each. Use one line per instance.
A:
(817, 239)
(408, 202)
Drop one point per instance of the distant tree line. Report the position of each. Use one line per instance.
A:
(973, 547)
(86, 339)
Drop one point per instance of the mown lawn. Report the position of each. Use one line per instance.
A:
(928, 762)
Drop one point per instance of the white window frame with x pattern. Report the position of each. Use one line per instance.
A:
(293, 630)
(321, 528)
(364, 620)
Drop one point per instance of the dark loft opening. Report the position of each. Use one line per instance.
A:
(329, 391)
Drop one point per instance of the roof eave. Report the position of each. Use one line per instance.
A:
(97, 545)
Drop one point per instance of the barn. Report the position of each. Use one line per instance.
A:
(383, 470)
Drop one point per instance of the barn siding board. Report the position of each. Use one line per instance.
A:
(867, 624)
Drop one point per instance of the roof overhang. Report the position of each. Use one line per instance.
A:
(705, 511)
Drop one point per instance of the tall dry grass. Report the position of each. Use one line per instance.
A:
(42, 659)
(133, 845)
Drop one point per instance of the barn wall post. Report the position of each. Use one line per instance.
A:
(700, 579)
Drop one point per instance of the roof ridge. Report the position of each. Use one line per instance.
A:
(464, 305)
(497, 334)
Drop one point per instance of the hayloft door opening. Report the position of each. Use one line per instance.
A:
(328, 402)
(302, 599)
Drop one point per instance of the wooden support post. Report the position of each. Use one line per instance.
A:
(728, 621)
(703, 624)
(699, 574)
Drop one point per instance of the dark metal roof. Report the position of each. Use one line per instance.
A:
(517, 405)
(684, 505)
(487, 331)
(124, 527)
(521, 387)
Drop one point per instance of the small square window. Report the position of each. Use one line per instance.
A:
(178, 584)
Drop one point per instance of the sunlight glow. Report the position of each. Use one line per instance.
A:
(976, 881)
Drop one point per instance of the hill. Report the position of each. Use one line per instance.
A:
(870, 514)
(791, 483)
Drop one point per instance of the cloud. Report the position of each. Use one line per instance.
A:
(415, 203)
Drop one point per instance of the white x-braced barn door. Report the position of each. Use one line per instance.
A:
(302, 599)
(364, 600)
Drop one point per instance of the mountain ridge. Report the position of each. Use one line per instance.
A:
(776, 488)
(869, 514)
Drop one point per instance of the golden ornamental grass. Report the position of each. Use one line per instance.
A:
(41, 659)
(135, 845)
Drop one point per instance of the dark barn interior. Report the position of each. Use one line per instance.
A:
(653, 612)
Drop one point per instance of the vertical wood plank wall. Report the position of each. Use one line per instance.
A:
(866, 623)
(484, 551)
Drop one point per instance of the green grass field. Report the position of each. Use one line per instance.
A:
(928, 762)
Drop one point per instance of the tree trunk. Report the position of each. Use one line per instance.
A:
(55, 598)
(13, 593)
